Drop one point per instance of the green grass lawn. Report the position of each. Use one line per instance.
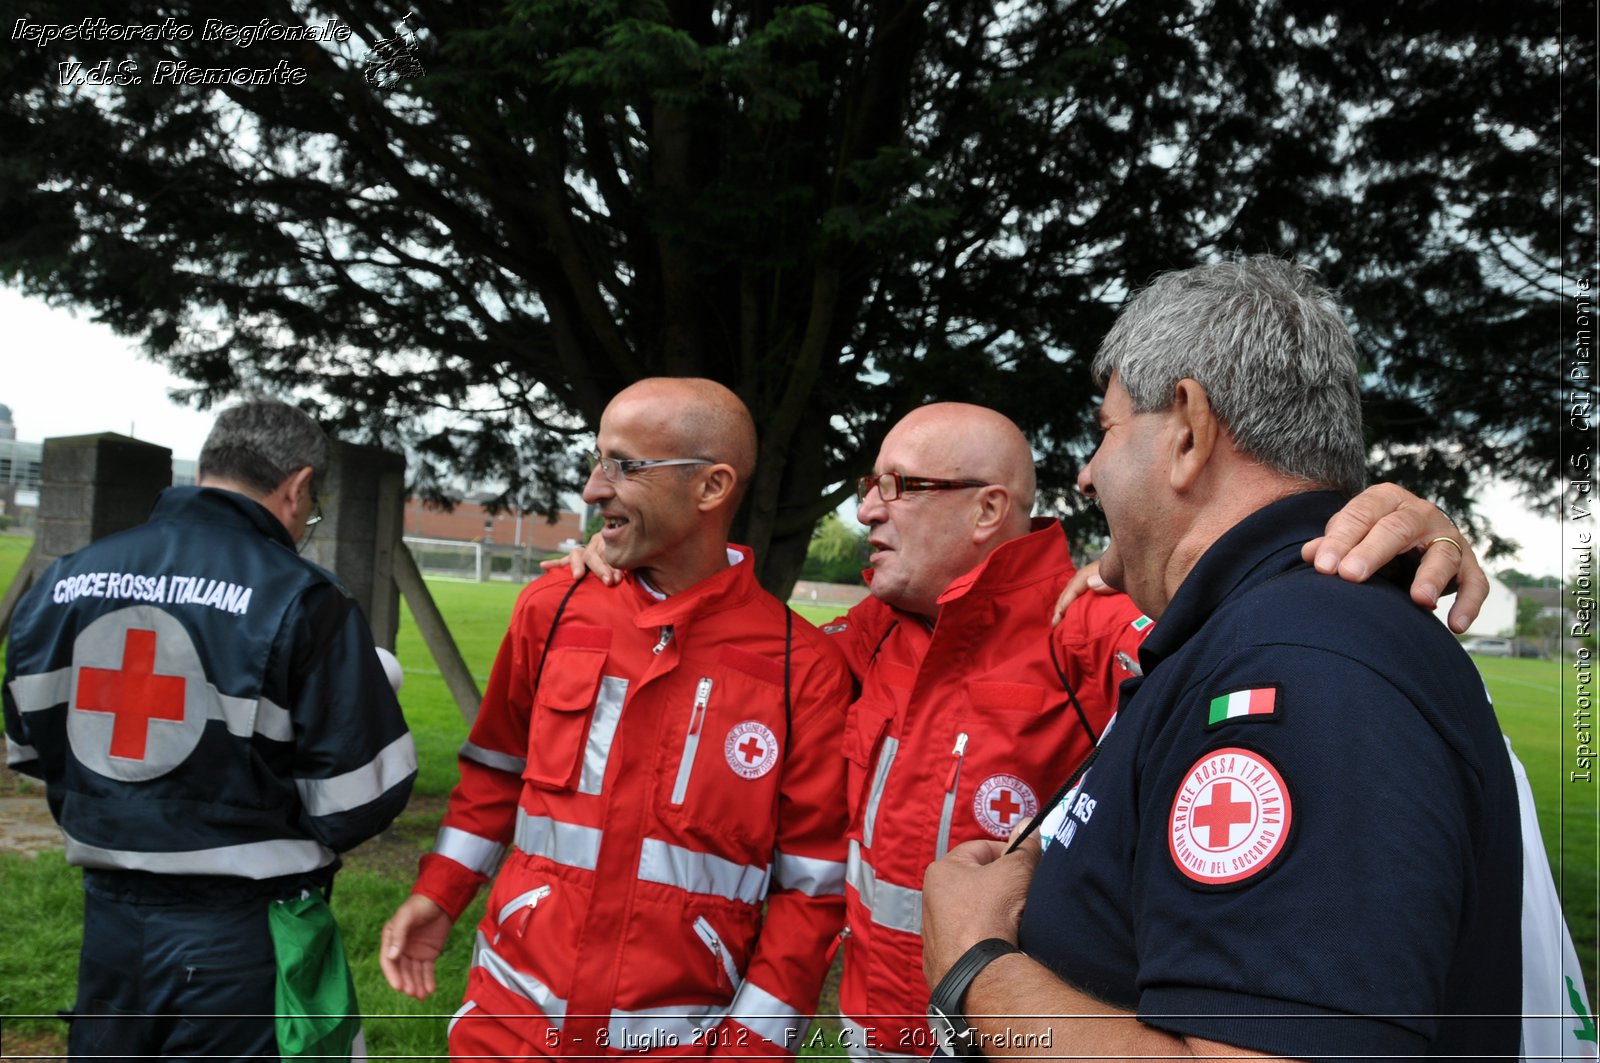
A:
(13, 548)
(41, 894)
(477, 614)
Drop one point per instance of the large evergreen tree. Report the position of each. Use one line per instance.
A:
(839, 209)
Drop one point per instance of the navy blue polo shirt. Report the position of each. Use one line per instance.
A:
(1300, 834)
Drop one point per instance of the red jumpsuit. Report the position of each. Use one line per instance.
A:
(677, 861)
(960, 731)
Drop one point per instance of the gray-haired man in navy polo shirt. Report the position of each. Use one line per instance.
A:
(1300, 834)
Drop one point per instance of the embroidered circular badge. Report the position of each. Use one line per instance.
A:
(1230, 818)
(751, 749)
(139, 697)
(1002, 801)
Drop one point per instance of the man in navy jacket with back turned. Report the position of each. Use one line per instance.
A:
(213, 727)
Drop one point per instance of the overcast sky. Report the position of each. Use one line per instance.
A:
(65, 375)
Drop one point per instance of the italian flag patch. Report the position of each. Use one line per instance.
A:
(1259, 703)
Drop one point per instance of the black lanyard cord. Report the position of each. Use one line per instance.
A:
(1055, 799)
(551, 635)
(1072, 696)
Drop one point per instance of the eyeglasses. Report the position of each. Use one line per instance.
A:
(891, 485)
(614, 469)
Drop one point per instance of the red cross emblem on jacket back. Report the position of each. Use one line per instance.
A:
(135, 695)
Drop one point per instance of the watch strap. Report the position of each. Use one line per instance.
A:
(948, 994)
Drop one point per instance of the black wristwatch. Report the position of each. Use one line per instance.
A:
(945, 1016)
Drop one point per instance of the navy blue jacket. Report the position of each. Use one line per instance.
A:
(200, 700)
(1300, 833)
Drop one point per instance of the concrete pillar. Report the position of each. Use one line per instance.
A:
(363, 504)
(92, 486)
(89, 487)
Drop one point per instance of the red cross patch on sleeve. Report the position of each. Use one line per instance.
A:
(751, 749)
(1230, 818)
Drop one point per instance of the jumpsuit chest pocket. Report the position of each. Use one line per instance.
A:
(869, 751)
(887, 690)
(864, 727)
(563, 707)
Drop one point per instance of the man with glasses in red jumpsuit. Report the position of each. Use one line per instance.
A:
(661, 757)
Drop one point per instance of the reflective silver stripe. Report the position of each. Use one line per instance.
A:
(672, 865)
(668, 1027)
(391, 767)
(242, 716)
(462, 1010)
(680, 786)
(896, 907)
(942, 844)
(565, 843)
(471, 851)
(246, 716)
(810, 875)
(282, 856)
(946, 814)
(858, 1038)
(766, 1015)
(602, 729)
(521, 983)
(879, 779)
(17, 753)
(490, 758)
(42, 691)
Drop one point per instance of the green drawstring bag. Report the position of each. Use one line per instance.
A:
(316, 997)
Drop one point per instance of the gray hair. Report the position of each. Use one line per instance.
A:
(259, 444)
(1271, 349)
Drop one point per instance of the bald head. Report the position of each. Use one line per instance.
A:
(702, 418)
(692, 447)
(970, 442)
(924, 539)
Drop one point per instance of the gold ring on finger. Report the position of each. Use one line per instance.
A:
(1460, 552)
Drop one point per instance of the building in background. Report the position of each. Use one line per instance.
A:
(1497, 617)
(19, 475)
(469, 542)
(470, 521)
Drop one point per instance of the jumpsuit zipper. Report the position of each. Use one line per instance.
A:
(691, 739)
(951, 780)
(709, 936)
(521, 909)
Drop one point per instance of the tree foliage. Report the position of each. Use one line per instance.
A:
(1517, 580)
(838, 552)
(841, 209)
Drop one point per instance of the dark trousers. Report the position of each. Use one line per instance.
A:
(174, 979)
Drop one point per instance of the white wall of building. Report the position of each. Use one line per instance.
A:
(1498, 617)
